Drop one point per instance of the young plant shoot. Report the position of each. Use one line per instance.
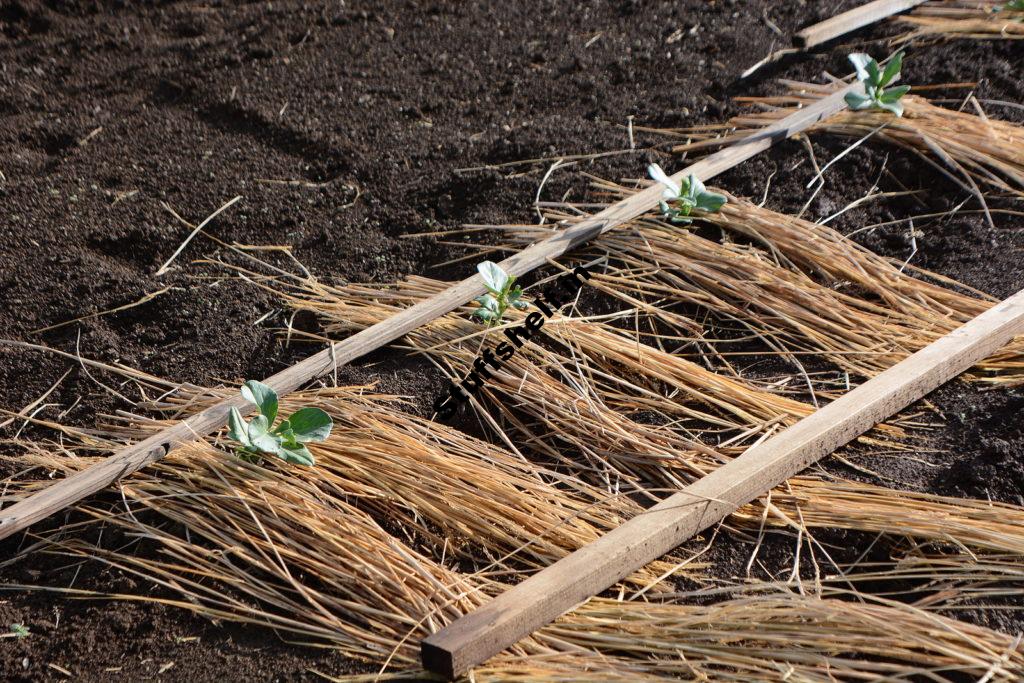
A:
(502, 293)
(1014, 6)
(876, 95)
(288, 440)
(684, 199)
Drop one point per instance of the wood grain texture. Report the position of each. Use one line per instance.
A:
(850, 21)
(558, 588)
(76, 487)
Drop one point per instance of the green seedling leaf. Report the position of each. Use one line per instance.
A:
(20, 631)
(310, 424)
(671, 189)
(894, 94)
(501, 294)
(257, 427)
(494, 277)
(268, 443)
(260, 436)
(286, 440)
(895, 107)
(857, 101)
(297, 454)
(692, 189)
(860, 62)
(874, 72)
(892, 70)
(711, 202)
(263, 396)
(237, 428)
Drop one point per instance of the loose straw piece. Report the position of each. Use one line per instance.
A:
(145, 299)
(198, 228)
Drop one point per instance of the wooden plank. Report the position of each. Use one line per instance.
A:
(850, 21)
(558, 588)
(76, 487)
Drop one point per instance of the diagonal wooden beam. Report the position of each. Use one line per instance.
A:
(577, 577)
(76, 487)
(850, 21)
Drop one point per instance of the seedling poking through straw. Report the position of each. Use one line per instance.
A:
(876, 95)
(502, 292)
(288, 440)
(684, 199)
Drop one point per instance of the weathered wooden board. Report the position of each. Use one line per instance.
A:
(850, 21)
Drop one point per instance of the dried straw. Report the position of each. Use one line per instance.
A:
(953, 19)
(972, 149)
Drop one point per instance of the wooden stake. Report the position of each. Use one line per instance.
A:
(76, 487)
(850, 21)
(555, 590)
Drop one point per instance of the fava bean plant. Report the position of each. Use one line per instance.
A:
(681, 200)
(875, 79)
(502, 293)
(288, 439)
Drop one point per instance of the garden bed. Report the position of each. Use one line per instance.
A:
(343, 128)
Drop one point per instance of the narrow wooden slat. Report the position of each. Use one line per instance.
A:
(72, 489)
(850, 21)
(558, 588)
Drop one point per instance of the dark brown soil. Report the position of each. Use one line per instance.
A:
(111, 112)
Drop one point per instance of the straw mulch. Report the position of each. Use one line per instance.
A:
(404, 523)
(796, 287)
(970, 147)
(321, 556)
(971, 19)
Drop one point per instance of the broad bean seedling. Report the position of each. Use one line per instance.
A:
(679, 201)
(288, 439)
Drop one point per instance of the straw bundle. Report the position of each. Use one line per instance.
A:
(797, 286)
(557, 402)
(974, 19)
(406, 523)
(970, 148)
(948, 580)
(270, 546)
(301, 550)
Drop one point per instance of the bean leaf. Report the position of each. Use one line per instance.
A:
(310, 424)
(286, 440)
(494, 277)
(874, 81)
(263, 396)
(860, 62)
(298, 454)
(892, 70)
(237, 428)
(711, 202)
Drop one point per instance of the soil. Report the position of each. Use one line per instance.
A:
(343, 126)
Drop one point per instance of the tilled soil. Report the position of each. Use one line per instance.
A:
(343, 126)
